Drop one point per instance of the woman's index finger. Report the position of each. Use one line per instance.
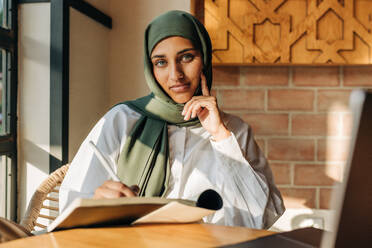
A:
(204, 86)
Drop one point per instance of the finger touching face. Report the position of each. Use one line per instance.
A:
(204, 85)
(177, 67)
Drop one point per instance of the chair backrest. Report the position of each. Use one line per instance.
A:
(43, 206)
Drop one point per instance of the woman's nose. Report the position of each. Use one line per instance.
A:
(176, 72)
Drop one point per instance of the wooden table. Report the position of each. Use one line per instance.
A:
(163, 235)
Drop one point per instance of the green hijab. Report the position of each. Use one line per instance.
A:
(144, 160)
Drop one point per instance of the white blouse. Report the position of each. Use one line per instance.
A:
(234, 167)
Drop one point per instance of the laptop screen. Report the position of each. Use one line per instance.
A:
(353, 201)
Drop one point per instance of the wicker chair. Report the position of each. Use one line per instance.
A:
(43, 206)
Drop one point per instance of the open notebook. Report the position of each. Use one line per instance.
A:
(352, 201)
(136, 210)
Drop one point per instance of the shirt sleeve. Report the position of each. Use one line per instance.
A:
(86, 173)
(249, 192)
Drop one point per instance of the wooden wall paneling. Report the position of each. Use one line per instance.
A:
(288, 31)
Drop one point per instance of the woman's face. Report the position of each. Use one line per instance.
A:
(177, 66)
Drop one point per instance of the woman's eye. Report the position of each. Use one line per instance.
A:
(160, 63)
(187, 57)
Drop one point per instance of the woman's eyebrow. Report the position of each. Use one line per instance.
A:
(180, 52)
(186, 50)
(158, 56)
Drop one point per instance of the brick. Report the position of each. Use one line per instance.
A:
(333, 149)
(333, 100)
(226, 75)
(213, 92)
(358, 76)
(281, 173)
(291, 100)
(291, 149)
(243, 99)
(317, 174)
(316, 76)
(266, 75)
(325, 197)
(267, 124)
(347, 124)
(298, 198)
(316, 124)
(261, 144)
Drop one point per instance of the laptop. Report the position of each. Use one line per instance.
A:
(352, 201)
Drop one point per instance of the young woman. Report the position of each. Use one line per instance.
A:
(175, 142)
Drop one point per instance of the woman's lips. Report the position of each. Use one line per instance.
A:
(179, 88)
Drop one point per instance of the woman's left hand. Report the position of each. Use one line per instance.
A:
(206, 108)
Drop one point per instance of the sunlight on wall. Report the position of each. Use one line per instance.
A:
(299, 218)
(337, 148)
(39, 175)
(33, 100)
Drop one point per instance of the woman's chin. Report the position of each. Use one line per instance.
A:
(181, 99)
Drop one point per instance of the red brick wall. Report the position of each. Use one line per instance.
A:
(300, 119)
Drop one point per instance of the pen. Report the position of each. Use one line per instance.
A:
(105, 162)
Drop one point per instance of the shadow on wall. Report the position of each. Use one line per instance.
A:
(325, 174)
(35, 51)
(36, 168)
(301, 121)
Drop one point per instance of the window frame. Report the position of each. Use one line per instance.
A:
(8, 144)
(59, 83)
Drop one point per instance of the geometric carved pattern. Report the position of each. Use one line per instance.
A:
(289, 31)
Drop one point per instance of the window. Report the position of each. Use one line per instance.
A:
(8, 100)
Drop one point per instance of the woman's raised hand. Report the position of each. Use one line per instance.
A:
(112, 189)
(206, 108)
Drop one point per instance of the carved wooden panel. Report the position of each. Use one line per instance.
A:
(289, 31)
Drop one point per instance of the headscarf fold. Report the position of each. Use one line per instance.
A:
(144, 160)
